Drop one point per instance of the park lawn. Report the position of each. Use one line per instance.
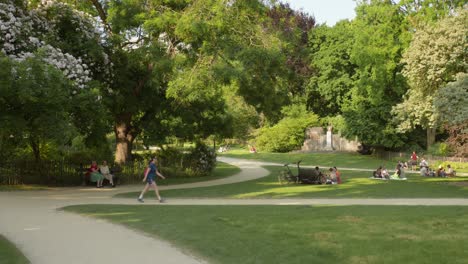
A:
(9, 253)
(327, 159)
(356, 184)
(23, 187)
(322, 159)
(302, 234)
(222, 170)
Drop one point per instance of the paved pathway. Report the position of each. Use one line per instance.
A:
(30, 219)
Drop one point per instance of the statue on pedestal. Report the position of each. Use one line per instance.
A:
(329, 145)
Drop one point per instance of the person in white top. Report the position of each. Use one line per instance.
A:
(106, 173)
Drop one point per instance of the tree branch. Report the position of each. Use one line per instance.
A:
(102, 15)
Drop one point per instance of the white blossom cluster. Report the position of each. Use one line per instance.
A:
(73, 68)
(15, 29)
(23, 33)
(82, 22)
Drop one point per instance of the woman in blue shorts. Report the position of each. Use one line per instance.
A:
(150, 175)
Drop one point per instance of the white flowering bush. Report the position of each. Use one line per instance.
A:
(62, 35)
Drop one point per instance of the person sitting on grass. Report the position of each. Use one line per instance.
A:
(333, 178)
(440, 171)
(402, 167)
(378, 172)
(424, 172)
(95, 176)
(385, 174)
(338, 175)
(397, 174)
(105, 171)
(424, 163)
(450, 172)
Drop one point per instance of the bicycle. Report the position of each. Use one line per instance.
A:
(304, 175)
(286, 175)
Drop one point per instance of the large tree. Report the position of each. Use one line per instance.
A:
(379, 43)
(330, 50)
(170, 64)
(451, 104)
(44, 43)
(437, 54)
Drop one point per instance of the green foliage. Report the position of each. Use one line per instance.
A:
(428, 11)
(197, 161)
(435, 57)
(35, 102)
(288, 133)
(201, 160)
(330, 48)
(451, 101)
(379, 42)
(439, 149)
(245, 118)
(338, 123)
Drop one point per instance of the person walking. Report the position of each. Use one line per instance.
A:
(150, 175)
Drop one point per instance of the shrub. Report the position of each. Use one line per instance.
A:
(288, 133)
(202, 160)
(439, 149)
(197, 161)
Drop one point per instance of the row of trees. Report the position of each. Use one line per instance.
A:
(193, 69)
(386, 72)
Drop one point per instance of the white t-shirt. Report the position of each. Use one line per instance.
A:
(104, 169)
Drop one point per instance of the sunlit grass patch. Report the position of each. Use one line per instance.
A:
(303, 234)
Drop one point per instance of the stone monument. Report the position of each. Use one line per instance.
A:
(329, 145)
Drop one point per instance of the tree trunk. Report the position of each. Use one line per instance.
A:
(430, 136)
(35, 146)
(124, 137)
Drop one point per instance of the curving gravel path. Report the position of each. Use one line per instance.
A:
(30, 220)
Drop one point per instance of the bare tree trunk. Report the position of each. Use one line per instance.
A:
(430, 136)
(35, 146)
(124, 135)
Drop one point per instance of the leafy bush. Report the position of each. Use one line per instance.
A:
(288, 133)
(197, 161)
(201, 160)
(338, 123)
(439, 149)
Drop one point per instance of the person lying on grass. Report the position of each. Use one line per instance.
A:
(150, 175)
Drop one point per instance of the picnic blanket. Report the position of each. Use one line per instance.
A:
(392, 178)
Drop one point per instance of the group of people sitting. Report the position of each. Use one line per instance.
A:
(97, 174)
(383, 173)
(440, 172)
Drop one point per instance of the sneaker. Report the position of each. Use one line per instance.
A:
(161, 200)
(140, 200)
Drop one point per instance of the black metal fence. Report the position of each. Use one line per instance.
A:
(60, 173)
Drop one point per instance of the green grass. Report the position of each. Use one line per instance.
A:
(348, 160)
(325, 159)
(222, 170)
(355, 185)
(302, 234)
(9, 253)
(23, 187)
